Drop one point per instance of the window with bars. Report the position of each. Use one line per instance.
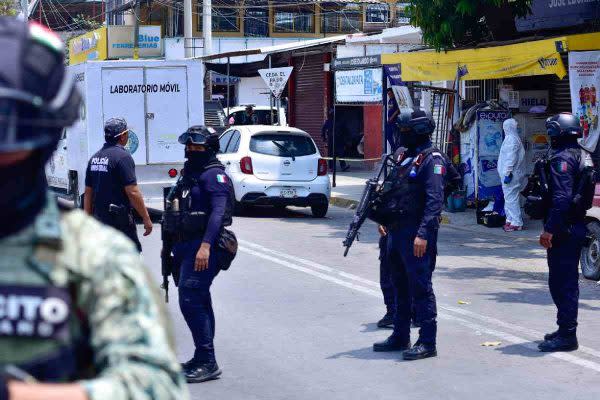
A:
(256, 22)
(294, 20)
(402, 17)
(225, 16)
(377, 13)
(341, 20)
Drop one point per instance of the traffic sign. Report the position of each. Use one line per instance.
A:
(276, 78)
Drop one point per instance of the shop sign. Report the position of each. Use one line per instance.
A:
(120, 41)
(532, 98)
(548, 14)
(584, 78)
(357, 62)
(88, 47)
(394, 74)
(358, 86)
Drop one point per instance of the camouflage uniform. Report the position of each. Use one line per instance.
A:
(130, 354)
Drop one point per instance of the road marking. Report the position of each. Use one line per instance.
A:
(322, 271)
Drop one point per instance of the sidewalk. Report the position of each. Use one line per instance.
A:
(350, 186)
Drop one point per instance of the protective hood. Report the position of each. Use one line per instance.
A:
(510, 127)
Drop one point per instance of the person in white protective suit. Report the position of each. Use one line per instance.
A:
(511, 167)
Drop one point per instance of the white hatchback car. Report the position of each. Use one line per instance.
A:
(275, 165)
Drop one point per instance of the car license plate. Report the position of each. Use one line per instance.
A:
(288, 192)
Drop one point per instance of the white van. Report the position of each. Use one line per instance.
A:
(159, 99)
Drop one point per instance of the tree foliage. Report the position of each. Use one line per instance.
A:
(85, 23)
(449, 23)
(7, 7)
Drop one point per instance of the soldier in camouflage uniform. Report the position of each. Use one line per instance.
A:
(78, 319)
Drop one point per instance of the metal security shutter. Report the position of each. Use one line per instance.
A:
(560, 92)
(309, 102)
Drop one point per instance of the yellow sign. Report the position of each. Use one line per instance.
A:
(523, 59)
(92, 45)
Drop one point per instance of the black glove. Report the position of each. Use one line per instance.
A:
(3, 388)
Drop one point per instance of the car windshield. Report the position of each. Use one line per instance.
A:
(259, 117)
(282, 145)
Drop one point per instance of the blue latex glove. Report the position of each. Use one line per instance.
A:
(508, 178)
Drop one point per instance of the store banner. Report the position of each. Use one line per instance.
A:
(359, 86)
(121, 41)
(394, 74)
(540, 57)
(584, 77)
(90, 46)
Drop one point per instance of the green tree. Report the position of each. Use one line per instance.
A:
(7, 7)
(449, 23)
(85, 23)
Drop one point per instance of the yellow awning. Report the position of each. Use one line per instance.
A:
(583, 42)
(523, 59)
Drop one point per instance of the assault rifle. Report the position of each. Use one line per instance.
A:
(171, 206)
(371, 194)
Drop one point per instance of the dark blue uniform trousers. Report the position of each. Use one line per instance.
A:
(195, 301)
(411, 277)
(563, 278)
(385, 276)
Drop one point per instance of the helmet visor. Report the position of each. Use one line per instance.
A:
(192, 138)
(553, 128)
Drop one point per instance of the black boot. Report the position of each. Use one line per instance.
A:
(392, 343)
(202, 373)
(550, 336)
(187, 365)
(559, 343)
(387, 321)
(420, 351)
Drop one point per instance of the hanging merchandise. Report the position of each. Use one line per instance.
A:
(584, 76)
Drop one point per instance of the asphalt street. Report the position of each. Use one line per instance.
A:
(296, 320)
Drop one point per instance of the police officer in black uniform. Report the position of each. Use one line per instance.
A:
(564, 229)
(211, 193)
(412, 238)
(111, 186)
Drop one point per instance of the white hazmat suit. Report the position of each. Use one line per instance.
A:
(512, 160)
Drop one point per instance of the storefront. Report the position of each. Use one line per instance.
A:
(529, 82)
(358, 110)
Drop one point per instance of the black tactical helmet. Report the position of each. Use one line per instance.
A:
(37, 96)
(417, 122)
(202, 135)
(563, 124)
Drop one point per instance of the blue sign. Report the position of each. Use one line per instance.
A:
(394, 74)
(548, 14)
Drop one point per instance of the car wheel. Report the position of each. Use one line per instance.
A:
(319, 210)
(590, 254)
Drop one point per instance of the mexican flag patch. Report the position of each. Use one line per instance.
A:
(563, 166)
(222, 178)
(439, 169)
(45, 36)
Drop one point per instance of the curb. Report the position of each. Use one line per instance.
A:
(352, 204)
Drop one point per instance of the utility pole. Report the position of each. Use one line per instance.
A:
(207, 26)
(136, 30)
(188, 41)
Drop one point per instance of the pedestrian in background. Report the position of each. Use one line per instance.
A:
(111, 190)
(93, 326)
(328, 133)
(391, 130)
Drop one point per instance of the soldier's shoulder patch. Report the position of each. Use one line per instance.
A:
(439, 169)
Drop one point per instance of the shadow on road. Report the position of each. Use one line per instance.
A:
(522, 349)
(367, 353)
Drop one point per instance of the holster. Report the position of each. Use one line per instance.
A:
(121, 216)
